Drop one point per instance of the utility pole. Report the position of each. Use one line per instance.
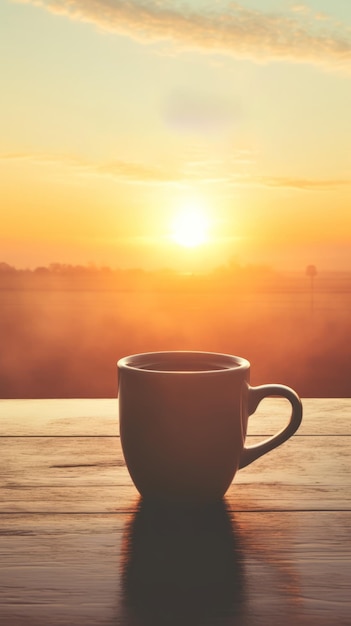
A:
(311, 271)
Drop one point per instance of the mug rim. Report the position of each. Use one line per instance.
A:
(222, 362)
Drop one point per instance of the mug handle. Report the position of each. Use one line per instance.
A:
(256, 394)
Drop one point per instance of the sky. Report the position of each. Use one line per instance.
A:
(118, 117)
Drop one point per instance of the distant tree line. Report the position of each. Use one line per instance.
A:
(55, 269)
(231, 276)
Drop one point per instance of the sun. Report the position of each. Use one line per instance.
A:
(190, 228)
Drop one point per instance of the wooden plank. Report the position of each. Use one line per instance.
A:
(321, 416)
(217, 569)
(123, 498)
(283, 558)
(59, 417)
(89, 474)
(99, 417)
(59, 570)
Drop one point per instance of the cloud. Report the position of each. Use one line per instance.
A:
(122, 170)
(304, 184)
(236, 30)
(201, 171)
(300, 8)
(201, 112)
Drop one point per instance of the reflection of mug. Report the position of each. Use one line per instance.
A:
(183, 566)
(183, 422)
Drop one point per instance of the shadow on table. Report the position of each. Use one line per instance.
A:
(182, 566)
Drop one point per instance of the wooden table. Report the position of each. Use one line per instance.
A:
(78, 547)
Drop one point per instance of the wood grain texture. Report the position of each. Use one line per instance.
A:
(252, 569)
(49, 474)
(78, 547)
(99, 417)
(61, 417)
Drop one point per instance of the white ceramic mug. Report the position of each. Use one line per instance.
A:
(183, 422)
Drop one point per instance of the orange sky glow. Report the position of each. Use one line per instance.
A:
(113, 139)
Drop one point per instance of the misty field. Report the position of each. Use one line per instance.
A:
(66, 343)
